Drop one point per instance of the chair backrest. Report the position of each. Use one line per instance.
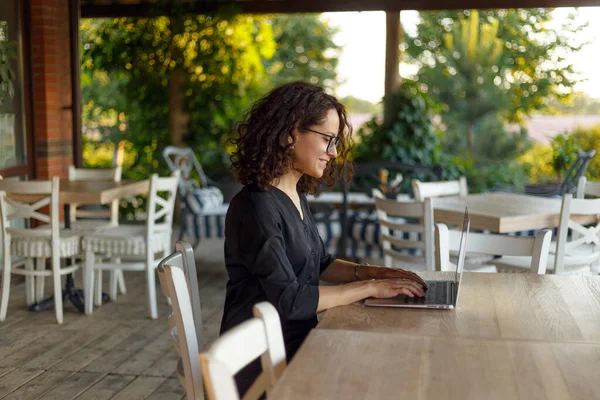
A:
(29, 199)
(576, 171)
(159, 207)
(261, 337)
(423, 190)
(537, 247)
(182, 327)
(189, 363)
(184, 159)
(581, 235)
(95, 174)
(398, 219)
(585, 188)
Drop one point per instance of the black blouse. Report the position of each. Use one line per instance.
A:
(272, 254)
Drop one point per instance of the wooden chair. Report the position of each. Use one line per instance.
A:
(399, 219)
(37, 200)
(140, 247)
(185, 322)
(201, 200)
(82, 216)
(587, 189)
(574, 253)
(533, 249)
(94, 216)
(261, 337)
(423, 190)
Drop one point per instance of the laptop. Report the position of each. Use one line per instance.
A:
(439, 294)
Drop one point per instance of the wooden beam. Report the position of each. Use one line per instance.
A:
(92, 9)
(393, 36)
(74, 17)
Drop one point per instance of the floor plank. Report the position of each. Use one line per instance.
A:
(15, 379)
(140, 388)
(73, 386)
(169, 390)
(39, 385)
(107, 387)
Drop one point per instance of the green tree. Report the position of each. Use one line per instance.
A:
(305, 51)
(506, 61)
(204, 69)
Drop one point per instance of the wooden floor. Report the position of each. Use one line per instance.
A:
(116, 353)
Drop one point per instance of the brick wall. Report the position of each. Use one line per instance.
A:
(51, 87)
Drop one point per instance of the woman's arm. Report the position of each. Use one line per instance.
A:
(333, 296)
(341, 271)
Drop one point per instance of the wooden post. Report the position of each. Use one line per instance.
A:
(393, 37)
(74, 17)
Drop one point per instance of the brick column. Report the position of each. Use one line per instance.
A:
(51, 87)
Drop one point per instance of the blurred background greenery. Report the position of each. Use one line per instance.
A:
(480, 75)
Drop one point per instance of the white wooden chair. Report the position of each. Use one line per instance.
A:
(261, 337)
(394, 220)
(534, 250)
(46, 241)
(203, 211)
(423, 190)
(148, 244)
(178, 280)
(93, 219)
(574, 253)
(587, 189)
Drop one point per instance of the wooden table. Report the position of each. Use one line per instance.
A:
(502, 212)
(337, 364)
(512, 336)
(492, 306)
(98, 192)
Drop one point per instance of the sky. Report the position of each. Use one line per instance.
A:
(362, 63)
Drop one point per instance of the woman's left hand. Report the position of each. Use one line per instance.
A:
(375, 272)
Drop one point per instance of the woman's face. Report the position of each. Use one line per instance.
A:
(312, 150)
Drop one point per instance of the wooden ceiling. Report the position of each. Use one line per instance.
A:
(138, 8)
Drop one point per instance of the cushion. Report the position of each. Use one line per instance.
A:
(25, 243)
(125, 240)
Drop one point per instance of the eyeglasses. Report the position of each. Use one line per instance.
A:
(333, 140)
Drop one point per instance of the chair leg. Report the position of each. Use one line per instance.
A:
(121, 281)
(98, 288)
(29, 283)
(151, 288)
(114, 277)
(40, 265)
(88, 282)
(5, 285)
(56, 277)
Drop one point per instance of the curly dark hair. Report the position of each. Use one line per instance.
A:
(263, 149)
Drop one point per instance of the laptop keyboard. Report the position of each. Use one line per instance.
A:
(437, 293)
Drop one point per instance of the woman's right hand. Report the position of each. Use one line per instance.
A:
(384, 288)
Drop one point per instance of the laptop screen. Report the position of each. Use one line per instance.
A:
(462, 251)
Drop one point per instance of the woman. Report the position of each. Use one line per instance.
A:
(291, 141)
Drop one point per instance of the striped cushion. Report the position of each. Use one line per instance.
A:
(200, 200)
(206, 226)
(125, 240)
(23, 244)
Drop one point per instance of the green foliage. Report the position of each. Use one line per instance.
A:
(506, 62)
(550, 162)
(305, 51)
(127, 64)
(577, 103)
(406, 134)
(355, 105)
(7, 76)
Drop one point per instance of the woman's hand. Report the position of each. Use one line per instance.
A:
(385, 288)
(375, 272)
